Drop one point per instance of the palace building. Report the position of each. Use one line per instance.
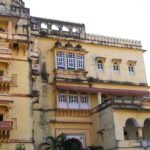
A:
(55, 78)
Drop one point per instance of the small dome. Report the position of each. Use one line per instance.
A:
(68, 45)
(58, 44)
(78, 47)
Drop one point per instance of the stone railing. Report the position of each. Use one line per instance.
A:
(112, 41)
(6, 125)
(5, 79)
(14, 11)
(135, 144)
(35, 54)
(123, 103)
(4, 50)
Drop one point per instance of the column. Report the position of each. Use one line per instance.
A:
(10, 30)
(140, 133)
(99, 98)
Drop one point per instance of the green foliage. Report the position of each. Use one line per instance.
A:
(20, 147)
(53, 143)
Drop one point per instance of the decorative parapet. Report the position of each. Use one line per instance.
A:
(14, 11)
(112, 41)
(45, 27)
(58, 28)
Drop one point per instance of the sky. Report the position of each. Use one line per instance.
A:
(128, 19)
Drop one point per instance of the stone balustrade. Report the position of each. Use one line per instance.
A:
(135, 144)
(4, 50)
(6, 125)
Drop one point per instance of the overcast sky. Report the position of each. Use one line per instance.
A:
(118, 18)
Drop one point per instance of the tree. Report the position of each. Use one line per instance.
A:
(53, 143)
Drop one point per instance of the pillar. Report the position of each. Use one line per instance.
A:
(140, 133)
(10, 30)
(99, 98)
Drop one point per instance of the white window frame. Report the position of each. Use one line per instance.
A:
(71, 61)
(100, 66)
(131, 69)
(62, 100)
(116, 68)
(84, 101)
(80, 61)
(73, 101)
(60, 60)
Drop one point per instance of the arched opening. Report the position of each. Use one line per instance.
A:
(146, 129)
(75, 30)
(65, 29)
(131, 129)
(44, 26)
(54, 27)
(73, 144)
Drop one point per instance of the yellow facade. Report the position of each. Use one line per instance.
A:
(55, 78)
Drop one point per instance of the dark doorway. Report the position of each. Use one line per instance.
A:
(73, 144)
(1, 117)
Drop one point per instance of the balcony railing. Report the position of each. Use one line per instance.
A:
(4, 50)
(5, 79)
(35, 54)
(6, 125)
(134, 144)
(71, 74)
(36, 69)
(4, 35)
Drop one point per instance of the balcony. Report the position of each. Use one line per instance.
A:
(36, 69)
(5, 127)
(5, 52)
(23, 37)
(71, 74)
(35, 54)
(5, 83)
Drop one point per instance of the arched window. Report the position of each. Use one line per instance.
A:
(116, 67)
(146, 129)
(65, 29)
(100, 65)
(44, 26)
(75, 30)
(131, 130)
(54, 27)
(131, 69)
